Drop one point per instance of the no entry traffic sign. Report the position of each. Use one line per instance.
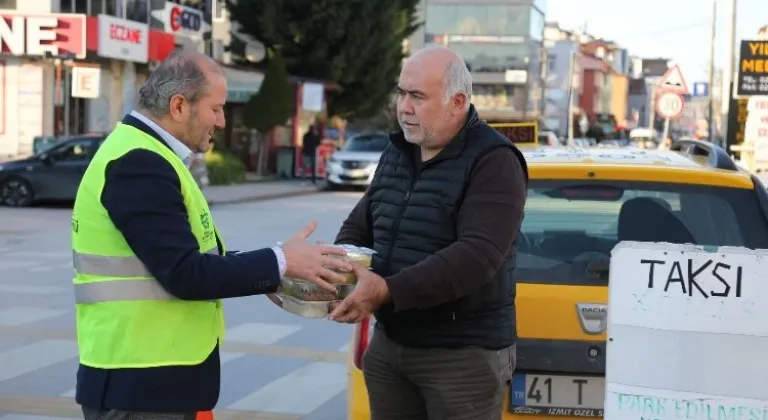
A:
(670, 105)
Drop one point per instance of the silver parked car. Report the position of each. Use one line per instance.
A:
(354, 164)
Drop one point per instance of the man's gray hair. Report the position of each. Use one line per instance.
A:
(458, 79)
(179, 74)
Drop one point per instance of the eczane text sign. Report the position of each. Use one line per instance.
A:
(687, 335)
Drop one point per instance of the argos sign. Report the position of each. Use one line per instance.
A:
(181, 20)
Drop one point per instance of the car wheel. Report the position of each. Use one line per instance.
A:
(16, 192)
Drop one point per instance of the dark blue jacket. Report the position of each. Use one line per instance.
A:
(143, 198)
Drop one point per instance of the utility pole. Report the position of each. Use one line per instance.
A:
(728, 71)
(711, 113)
(571, 71)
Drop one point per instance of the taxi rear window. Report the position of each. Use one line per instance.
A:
(570, 227)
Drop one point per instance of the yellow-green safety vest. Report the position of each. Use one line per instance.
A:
(125, 318)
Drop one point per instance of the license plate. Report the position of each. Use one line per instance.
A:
(355, 172)
(555, 395)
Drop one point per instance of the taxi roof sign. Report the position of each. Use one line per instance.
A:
(519, 133)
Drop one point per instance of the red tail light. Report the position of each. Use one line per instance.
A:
(363, 332)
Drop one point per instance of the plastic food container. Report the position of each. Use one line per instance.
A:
(308, 291)
(360, 255)
(305, 290)
(344, 290)
(303, 308)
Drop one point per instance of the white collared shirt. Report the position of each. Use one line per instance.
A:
(180, 149)
(185, 154)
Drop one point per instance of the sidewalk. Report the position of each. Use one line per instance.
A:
(256, 191)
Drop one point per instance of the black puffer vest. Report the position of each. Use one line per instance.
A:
(414, 215)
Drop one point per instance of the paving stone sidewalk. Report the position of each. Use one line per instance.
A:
(257, 191)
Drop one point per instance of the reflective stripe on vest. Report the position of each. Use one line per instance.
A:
(141, 285)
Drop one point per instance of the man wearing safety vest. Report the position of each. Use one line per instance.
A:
(150, 264)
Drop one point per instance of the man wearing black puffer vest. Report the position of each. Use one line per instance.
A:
(443, 213)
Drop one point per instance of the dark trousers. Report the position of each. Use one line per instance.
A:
(96, 414)
(406, 383)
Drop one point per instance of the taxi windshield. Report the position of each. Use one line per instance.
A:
(570, 227)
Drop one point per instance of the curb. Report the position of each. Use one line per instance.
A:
(264, 197)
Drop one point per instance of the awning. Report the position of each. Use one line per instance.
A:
(242, 84)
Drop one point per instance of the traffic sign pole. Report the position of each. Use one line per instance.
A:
(666, 130)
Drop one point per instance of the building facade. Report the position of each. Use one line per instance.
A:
(563, 84)
(89, 78)
(66, 72)
(502, 43)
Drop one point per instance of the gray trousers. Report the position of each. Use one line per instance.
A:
(435, 384)
(96, 414)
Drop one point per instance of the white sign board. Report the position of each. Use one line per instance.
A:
(687, 333)
(123, 39)
(86, 82)
(312, 97)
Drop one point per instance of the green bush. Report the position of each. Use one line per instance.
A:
(224, 168)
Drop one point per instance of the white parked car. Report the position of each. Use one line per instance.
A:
(354, 164)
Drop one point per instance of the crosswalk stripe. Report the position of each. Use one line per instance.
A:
(42, 254)
(40, 269)
(258, 333)
(300, 392)
(14, 265)
(31, 417)
(226, 357)
(21, 315)
(31, 289)
(31, 357)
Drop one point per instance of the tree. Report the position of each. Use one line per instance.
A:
(355, 43)
(272, 105)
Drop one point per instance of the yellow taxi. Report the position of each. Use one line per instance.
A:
(581, 203)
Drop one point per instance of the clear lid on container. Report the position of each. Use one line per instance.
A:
(352, 250)
(356, 251)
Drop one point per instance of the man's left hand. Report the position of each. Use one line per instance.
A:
(370, 293)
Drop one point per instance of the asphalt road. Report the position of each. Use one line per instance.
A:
(276, 365)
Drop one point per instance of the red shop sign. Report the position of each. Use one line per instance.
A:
(34, 35)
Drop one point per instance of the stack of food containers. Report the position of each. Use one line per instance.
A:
(308, 300)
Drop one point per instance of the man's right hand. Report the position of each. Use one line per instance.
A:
(313, 262)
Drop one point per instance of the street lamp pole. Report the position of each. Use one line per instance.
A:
(711, 110)
(728, 71)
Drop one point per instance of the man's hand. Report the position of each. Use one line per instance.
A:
(311, 262)
(370, 293)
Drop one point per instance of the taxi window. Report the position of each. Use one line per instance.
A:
(570, 228)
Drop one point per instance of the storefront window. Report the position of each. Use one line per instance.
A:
(493, 57)
(536, 25)
(488, 20)
(498, 97)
